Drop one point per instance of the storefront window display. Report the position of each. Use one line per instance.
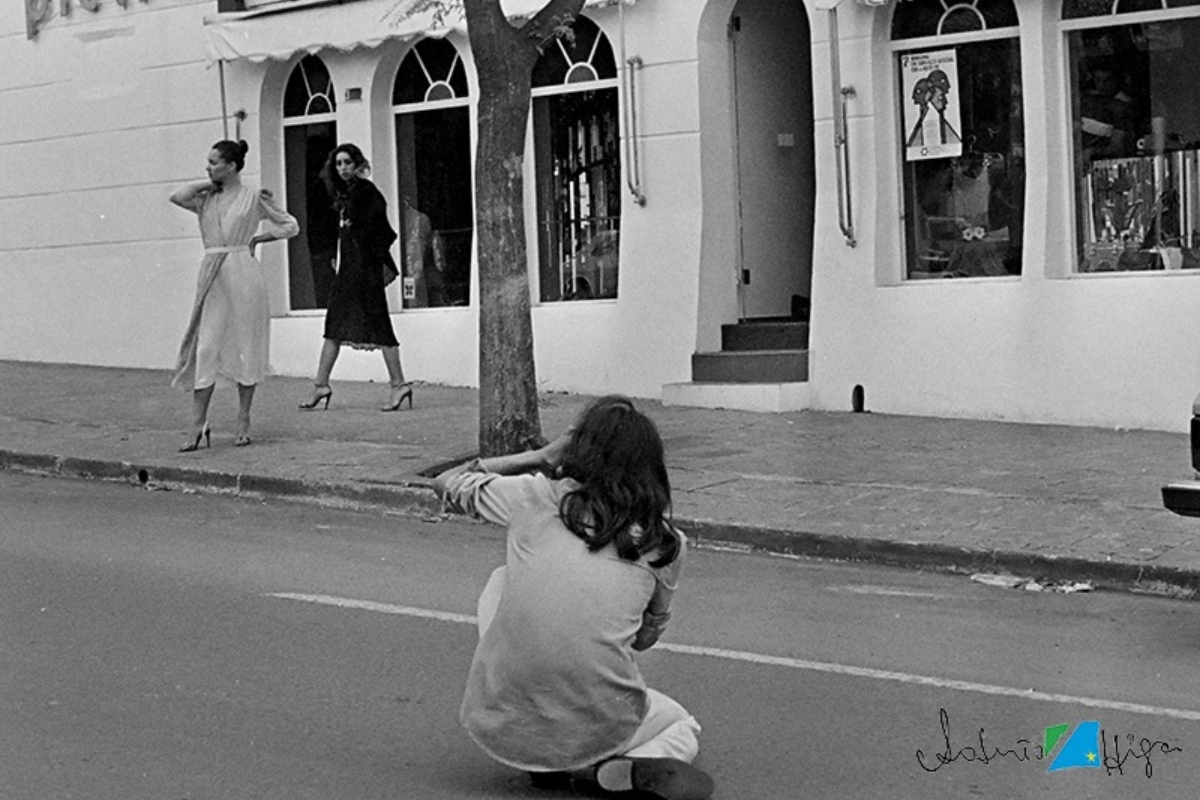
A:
(1136, 133)
(578, 166)
(433, 160)
(309, 134)
(962, 137)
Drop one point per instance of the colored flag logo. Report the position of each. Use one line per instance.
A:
(1082, 747)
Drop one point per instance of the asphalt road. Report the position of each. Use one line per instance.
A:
(169, 646)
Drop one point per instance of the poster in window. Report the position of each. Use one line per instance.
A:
(931, 109)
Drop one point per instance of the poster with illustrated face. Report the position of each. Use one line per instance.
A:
(932, 122)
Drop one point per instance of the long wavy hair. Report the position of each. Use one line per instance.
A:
(624, 494)
(334, 184)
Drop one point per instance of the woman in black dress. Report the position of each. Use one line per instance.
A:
(358, 314)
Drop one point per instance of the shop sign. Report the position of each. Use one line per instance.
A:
(39, 12)
(931, 109)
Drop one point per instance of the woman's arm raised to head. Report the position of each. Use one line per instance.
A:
(191, 195)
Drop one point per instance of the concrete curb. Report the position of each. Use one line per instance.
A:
(414, 498)
(1110, 575)
(417, 499)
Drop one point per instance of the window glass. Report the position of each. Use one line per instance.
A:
(309, 134)
(578, 166)
(964, 159)
(918, 18)
(1078, 9)
(309, 89)
(1136, 143)
(588, 52)
(433, 162)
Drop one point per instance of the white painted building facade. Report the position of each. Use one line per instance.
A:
(724, 116)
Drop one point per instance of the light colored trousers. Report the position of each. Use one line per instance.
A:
(667, 730)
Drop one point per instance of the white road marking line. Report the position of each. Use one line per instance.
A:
(923, 680)
(888, 591)
(791, 663)
(383, 608)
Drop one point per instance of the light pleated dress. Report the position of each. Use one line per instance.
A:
(229, 331)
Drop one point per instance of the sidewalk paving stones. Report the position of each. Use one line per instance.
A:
(1051, 502)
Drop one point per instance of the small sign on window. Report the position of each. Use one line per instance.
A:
(932, 122)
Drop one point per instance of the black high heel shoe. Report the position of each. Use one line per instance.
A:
(205, 434)
(319, 393)
(407, 394)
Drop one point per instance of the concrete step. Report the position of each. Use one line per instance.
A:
(750, 366)
(774, 398)
(765, 335)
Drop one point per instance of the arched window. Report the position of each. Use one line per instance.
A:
(944, 17)
(963, 137)
(430, 99)
(576, 144)
(309, 134)
(1078, 9)
(1135, 133)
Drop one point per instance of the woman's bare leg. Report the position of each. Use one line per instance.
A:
(400, 387)
(245, 400)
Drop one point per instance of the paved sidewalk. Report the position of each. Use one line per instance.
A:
(1053, 502)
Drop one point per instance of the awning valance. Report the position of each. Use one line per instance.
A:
(279, 30)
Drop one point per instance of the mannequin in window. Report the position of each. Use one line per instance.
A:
(422, 247)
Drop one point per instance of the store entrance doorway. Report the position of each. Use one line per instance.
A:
(771, 56)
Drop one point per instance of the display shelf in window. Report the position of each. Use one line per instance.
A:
(1143, 213)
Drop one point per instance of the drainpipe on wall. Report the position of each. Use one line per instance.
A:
(841, 139)
(224, 109)
(841, 136)
(633, 172)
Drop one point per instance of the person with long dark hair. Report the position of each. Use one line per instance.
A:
(229, 331)
(593, 561)
(358, 313)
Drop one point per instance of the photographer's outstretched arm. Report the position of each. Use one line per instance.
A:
(543, 459)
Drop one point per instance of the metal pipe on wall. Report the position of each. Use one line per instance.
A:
(633, 172)
(224, 108)
(841, 136)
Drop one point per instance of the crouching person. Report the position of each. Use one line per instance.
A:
(592, 562)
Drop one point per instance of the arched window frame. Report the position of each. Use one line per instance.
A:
(1101, 9)
(549, 286)
(447, 81)
(420, 236)
(309, 281)
(916, 266)
(328, 95)
(949, 9)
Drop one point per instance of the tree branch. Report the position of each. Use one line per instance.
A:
(552, 21)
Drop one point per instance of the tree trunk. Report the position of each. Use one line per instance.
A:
(504, 58)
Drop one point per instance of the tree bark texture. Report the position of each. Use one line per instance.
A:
(504, 57)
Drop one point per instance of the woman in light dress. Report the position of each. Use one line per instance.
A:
(229, 331)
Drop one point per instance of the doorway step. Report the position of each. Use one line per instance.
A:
(762, 366)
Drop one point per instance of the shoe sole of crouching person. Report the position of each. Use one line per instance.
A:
(667, 778)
